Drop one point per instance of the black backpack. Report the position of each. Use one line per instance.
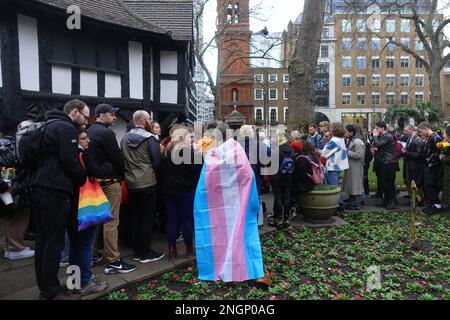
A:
(29, 144)
(7, 152)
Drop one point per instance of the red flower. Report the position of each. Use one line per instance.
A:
(153, 285)
(284, 286)
(338, 295)
(170, 292)
(122, 290)
(189, 268)
(357, 297)
(274, 297)
(414, 270)
(175, 277)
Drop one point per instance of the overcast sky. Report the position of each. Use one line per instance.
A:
(275, 14)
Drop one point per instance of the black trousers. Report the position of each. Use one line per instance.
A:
(431, 181)
(143, 207)
(52, 210)
(386, 179)
(282, 202)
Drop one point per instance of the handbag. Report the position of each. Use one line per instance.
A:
(93, 206)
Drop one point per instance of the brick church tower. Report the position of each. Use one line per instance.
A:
(235, 78)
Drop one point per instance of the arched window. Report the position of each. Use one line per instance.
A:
(234, 95)
(229, 12)
(236, 12)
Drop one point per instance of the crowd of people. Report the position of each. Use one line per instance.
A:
(141, 173)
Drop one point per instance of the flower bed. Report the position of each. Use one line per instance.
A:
(330, 263)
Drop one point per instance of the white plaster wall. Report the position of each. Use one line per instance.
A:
(169, 62)
(119, 128)
(136, 70)
(169, 91)
(88, 83)
(113, 86)
(28, 52)
(61, 80)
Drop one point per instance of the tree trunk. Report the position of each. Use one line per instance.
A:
(435, 86)
(303, 65)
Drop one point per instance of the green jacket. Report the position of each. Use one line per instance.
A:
(142, 156)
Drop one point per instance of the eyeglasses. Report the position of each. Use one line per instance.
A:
(85, 116)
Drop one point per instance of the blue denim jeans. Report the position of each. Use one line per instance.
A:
(332, 178)
(66, 251)
(81, 247)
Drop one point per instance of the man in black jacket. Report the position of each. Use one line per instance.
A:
(433, 168)
(385, 156)
(52, 188)
(104, 149)
(414, 156)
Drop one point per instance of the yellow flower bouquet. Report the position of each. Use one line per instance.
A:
(444, 147)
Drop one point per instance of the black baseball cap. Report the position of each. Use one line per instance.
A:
(104, 108)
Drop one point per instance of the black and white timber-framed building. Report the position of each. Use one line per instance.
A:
(132, 54)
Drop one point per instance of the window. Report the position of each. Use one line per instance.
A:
(286, 78)
(273, 115)
(259, 78)
(404, 98)
(285, 94)
(419, 45)
(376, 80)
(326, 33)
(346, 98)
(390, 46)
(405, 25)
(376, 44)
(376, 25)
(361, 25)
(390, 62)
(346, 80)
(346, 25)
(375, 62)
(419, 64)
(321, 84)
(273, 94)
(390, 25)
(324, 51)
(258, 94)
(390, 98)
(361, 62)
(375, 98)
(259, 115)
(346, 62)
(346, 44)
(322, 67)
(273, 77)
(404, 80)
(361, 81)
(286, 114)
(234, 95)
(361, 98)
(419, 97)
(361, 44)
(405, 42)
(404, 62)
(419, 80)
(390, 80)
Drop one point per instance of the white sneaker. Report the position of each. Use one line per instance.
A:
(24, 254)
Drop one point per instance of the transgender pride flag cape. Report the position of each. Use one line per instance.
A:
(225, 212)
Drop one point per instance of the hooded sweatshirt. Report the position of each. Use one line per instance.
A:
(142, 156)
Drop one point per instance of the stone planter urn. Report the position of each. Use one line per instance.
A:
(319, 206)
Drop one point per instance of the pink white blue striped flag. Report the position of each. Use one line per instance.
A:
(225, 212)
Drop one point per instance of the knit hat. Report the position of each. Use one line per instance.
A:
(297, 146)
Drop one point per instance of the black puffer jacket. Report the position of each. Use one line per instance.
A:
(432, 151)
(103, 149)
(385, 145)
(3, 186)
(283, 180)
(61, 169)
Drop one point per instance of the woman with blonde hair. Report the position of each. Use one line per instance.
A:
(179, 181)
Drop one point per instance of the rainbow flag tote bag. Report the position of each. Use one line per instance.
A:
(226, 210)
(93, 206)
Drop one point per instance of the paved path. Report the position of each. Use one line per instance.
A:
(18, 282)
